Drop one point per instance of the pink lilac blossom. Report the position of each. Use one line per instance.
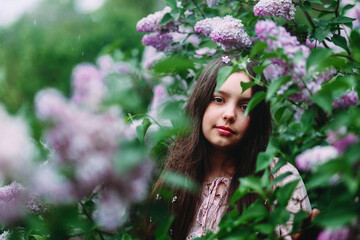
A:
(342, 140)
(204, 52)
(227, 32)
(348, 99)
(88, 86)
(151, 23)
(226, 59)
(160, 41)
(15, 202)
(329, 234)
(212, 3)
(275, 8)
(16, 148)
(311, 158)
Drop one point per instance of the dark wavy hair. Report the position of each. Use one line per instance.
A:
(189, 154)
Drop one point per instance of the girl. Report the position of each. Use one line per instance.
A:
(221, 147)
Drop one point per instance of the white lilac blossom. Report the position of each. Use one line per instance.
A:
(16, 148)
(4, 236)
(348, 99)
(204, 52)
(275, 8)
(311, 158)
(331, 234)
(227, 32)
(160, 41)
(107, 65)
(151, 23)
(226, 59)
(87, 83)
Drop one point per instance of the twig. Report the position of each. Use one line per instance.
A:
(308, 17)
(203, 15)
(337, 12)
(91, 220)
(323, 10)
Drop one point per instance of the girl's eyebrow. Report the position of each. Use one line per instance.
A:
(243, 99)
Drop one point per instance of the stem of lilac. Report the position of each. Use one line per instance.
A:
(91, 220)
(308, 17)
(323, 10)
(203, 15)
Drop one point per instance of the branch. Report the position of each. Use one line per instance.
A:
(203, 15)
(91, 220)
(323, 10)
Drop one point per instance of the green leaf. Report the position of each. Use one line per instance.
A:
(126, 236)
(355, 48)
(162, 230)
(280, 178)
(279, 113)
(246, 85)
(285, 192)
(179, 181)
(255, 211)
(253, 183)
(321, 33)
(223, 74)
(317, 56)
(141, 129)
(257, 98)
(340, 41)
(332, 90)
(306, 6)
(298, 220)
(342, 20)
(175, 13)
(275, 85)
(166, 19)
(316, 1)
(171, 3)
(257, 48)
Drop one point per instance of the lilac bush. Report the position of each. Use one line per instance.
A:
(274, 8)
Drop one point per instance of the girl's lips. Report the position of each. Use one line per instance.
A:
(225, 130)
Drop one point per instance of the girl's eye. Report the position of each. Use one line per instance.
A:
(243, 107)
(218, 99)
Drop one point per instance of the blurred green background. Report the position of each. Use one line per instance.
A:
(42, 47)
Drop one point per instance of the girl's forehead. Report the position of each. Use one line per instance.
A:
(232, 85)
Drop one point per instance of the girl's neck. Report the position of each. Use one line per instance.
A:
(221, 164)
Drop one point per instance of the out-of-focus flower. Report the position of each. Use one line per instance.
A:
(15, 202)
(212, 3)
(151, 23)
(299, 112)
(88, 86)
(4, 235)
(204, 52)
(330, 234)
(50, 103)
(311, 158)
(342, 140)
(105, 63)
(348, 99)
(111, 211)
(188, 13)
(151, 56)
(160, 41)
(16, 148)
(228, 32)
(354, 12)
(275, 8)
(226, 59)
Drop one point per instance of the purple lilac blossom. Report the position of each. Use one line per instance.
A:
(151, 23)
(311, 158)
(342, 140)
(348, 99)
(227, 32)
(88, 86)
(160, 41)
(329, 234)
(16, 148)
(275, 8)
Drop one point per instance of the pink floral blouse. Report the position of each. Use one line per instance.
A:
(213, 203)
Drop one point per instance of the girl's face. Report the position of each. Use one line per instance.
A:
(223, 124)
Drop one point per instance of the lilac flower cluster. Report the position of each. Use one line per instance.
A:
(341, 140)
(16, 148)
(277, 38)
(212, 3)
(87, 141)
(15, 202)
(311, 158)
(329, 234)
(151, 23)
(348, 99)
(275, 8)
(160, 39)
(227, 32)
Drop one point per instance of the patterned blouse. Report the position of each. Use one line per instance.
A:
(214, 203)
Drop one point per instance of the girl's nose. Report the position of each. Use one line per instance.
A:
(229, 115)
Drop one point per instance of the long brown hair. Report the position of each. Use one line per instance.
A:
(189, 154)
